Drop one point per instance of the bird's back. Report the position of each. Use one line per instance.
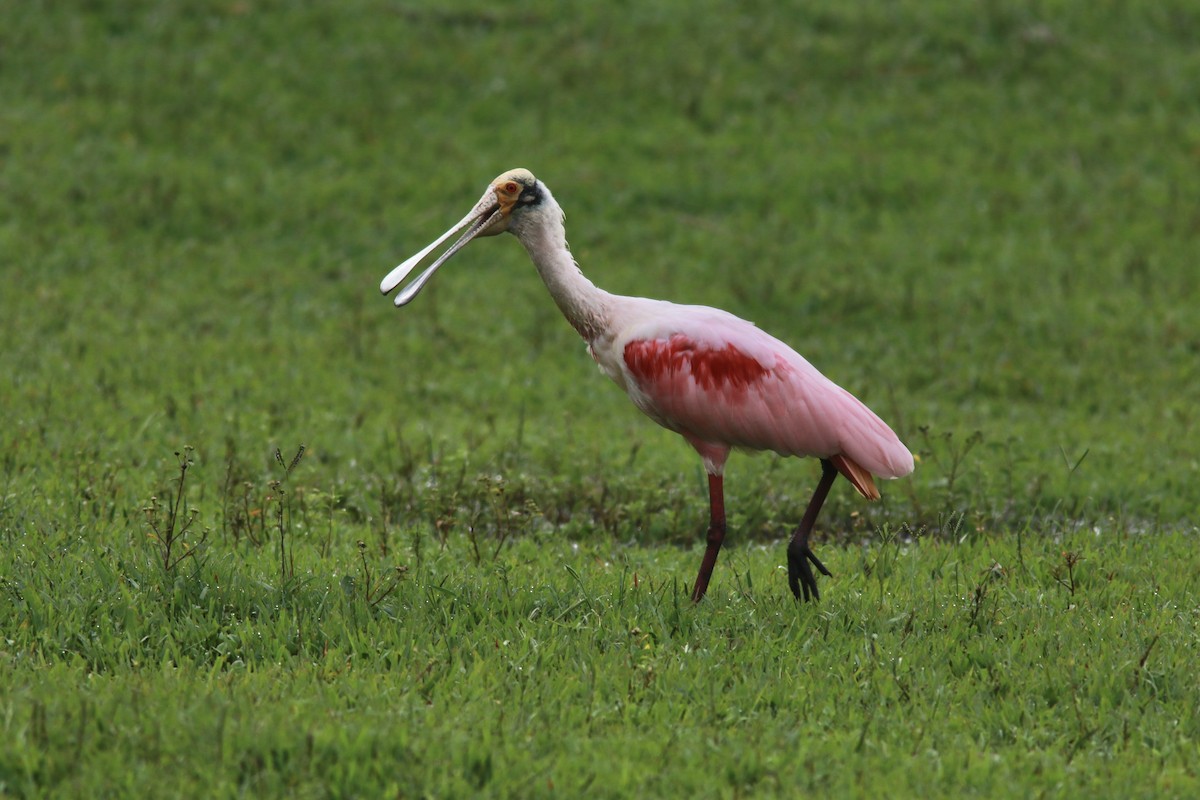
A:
(719, 379)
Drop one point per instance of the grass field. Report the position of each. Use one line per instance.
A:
(262, 534)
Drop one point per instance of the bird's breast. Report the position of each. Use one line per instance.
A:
(607, 360)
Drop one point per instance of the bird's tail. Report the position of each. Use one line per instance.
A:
(863, 481)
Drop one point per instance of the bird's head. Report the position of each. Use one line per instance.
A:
(505, 202)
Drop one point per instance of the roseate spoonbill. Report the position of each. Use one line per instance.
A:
(715, 379)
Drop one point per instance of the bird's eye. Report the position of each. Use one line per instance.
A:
(511, 187)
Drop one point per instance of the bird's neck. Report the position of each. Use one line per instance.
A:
(584, 305)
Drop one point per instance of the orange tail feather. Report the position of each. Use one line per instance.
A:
(863, 481)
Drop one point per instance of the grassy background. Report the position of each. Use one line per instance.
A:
(979, 217)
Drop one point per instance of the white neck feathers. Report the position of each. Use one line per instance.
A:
(542, 233)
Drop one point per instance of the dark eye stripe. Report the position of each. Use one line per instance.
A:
(531, 195)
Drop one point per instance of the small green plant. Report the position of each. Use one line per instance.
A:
(1072, 467)
(242, 511)
(993, 574)
(171, 521)
(879, 559)
(376, 588)
(506, 514)
(948, 456)
(283, 513)
(1064, 573)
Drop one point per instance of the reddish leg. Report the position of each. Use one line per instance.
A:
(716, 535)
(800, 574)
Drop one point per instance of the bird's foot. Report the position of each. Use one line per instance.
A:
(800, 574)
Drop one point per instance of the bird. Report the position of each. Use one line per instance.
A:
(717, 380)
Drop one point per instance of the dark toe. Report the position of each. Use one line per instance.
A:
(800, 575)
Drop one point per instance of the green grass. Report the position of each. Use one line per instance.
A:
(980, 218)
(931, 669)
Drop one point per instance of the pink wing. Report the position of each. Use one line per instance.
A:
(737, 386)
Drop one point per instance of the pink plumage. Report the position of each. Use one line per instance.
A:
(733, 386)
(714, 378)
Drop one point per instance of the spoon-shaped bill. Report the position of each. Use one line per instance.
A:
(481, 217)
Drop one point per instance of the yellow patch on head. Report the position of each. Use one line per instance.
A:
(508, 187)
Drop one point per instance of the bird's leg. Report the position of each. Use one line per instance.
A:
(716, 535)
(800, 575)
